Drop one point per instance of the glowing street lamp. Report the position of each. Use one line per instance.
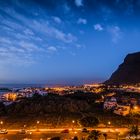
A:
(1, 123)
(73, 121)
(109, 123)
(37, 122)
(24, 126)
(135, 107)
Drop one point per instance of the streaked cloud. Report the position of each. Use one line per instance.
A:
(29, 37)
(115, 33)
(5, 40)
(14, 56)
(28, 32)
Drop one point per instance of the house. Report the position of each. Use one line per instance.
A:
(110, 103)
(122, 110)
(135, 109)
(133, 101)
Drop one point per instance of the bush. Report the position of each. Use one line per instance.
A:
(55, 138)
(75, 138)
(89, 121)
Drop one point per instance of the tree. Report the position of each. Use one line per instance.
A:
(134, 131)
(55, 138)
(94, 135)
(75, 138)
(2, 109)
(105, 136)
(89, 121)
(36, 96)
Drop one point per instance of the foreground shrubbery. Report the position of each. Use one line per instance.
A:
(89, 121)
(41, 105)
(61, 110)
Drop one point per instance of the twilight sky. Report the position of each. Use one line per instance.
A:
(66, 41)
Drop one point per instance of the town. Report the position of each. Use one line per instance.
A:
(120, 105)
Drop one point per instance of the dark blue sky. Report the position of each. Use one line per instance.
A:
(66, 41)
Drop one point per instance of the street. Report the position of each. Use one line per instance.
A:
(46, 134)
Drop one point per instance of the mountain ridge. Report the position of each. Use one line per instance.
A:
(128, 72)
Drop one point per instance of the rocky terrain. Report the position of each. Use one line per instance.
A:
(128, 72)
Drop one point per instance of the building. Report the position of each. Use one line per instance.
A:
(110, 103)
(122, 110)
(135, 109)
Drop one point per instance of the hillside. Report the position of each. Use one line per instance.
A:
(128, 72)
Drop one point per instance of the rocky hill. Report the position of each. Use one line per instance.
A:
(128, 72)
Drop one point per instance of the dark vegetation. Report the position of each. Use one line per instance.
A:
(89, 121)
(54, 110)
(5, 90)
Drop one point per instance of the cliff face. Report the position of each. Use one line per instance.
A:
(128, 72)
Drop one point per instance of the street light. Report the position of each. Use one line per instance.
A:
(109, 122)
(73, 121)
(24, 126)
(37, 122)
(135, 107)
(1, 123)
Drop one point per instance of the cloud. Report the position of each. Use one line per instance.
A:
(52, 49)
(5, 40)
(30, 47)
(79, 3)
(53, 32)
(27, 37)
(79, 46)
(40, 26)
(13, 51)
(82, 21)
(66, 8)
(12, 55)
(115, 33)
(98, 27)
(28, 32)
(57, 20)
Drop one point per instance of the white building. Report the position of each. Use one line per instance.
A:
(110, 103)
(122, 110)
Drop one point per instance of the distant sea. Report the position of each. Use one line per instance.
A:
(21, 85)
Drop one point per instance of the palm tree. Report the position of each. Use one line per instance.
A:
(134, 131)
(105, 136)
(94, 135)
(75, 138)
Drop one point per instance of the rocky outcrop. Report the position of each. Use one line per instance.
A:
(128, 72)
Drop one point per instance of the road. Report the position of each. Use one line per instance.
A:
(46, 134)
